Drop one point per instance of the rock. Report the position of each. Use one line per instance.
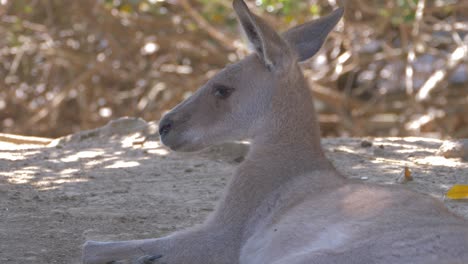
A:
(122, 127)
(454, 149)
(366, 143)
(379, 152)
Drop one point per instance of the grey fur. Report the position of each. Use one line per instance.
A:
(286, 204)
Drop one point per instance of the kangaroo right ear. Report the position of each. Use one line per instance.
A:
(308, 38)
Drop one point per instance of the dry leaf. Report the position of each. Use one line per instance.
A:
(405, 176)
(408, 174)
(458, 192)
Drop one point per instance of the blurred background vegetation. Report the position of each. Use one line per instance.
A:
(391, 68)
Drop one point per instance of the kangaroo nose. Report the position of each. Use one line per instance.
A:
(165, 126)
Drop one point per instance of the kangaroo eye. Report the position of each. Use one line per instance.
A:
(222, 92)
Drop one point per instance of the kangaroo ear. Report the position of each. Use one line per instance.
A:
(308, 38)
(269, 45)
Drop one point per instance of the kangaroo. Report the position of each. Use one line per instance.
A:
(286, 203)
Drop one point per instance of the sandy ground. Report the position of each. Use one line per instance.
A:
(118, 182)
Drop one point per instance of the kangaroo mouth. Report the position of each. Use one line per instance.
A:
(180, 145)
(171, 142)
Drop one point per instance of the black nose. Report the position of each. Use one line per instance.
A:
(165, 126)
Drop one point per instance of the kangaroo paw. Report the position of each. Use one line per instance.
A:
(148, 259)
(116, 262)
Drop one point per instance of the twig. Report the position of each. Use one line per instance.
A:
(366, 9)
(26, 24)
(17, 60)
(49, 11)
(445, 26)
(457, 56)
(17, 139)
(409, 71)
(5, 8)
(204, 25)
(332, 98)
(60, 97)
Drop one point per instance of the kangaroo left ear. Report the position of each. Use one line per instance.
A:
(269, 45)
(308, 38)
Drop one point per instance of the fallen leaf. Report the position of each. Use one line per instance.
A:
(405, 176)
(458, 192)
(408, 174)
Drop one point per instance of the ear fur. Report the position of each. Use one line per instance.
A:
(308, 38)
(269, 46)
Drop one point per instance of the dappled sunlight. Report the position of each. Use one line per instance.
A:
(156, 147)
(409, 144)
(86, 154)
(24, 175)
(14, 152)
(15, 156)
(130, 141)
(48, 172)
(395, 142)
(444, 186)
(390, 161)
(50, 183)
(34, 175)
(52, 168)
(97, 162)
(386, 160)
(69, 172)
(440, 161)
(390, 140)
(159, 151)
(412, 139)
(345, 149)
(123, 164)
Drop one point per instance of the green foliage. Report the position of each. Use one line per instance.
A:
(283, 7)
(404, 12)
(218, 12)
(287, 11)
(136, 6)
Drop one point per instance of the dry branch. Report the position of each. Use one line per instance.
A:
(227, 42)
(409, 71)
(17, 139)
(332, 98)
(457, 56)
(61, 96)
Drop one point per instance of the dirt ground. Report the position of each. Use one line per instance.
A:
(117, 182)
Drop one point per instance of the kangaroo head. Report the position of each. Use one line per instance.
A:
(239, 100)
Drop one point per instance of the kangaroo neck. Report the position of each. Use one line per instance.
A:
(285, 150)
